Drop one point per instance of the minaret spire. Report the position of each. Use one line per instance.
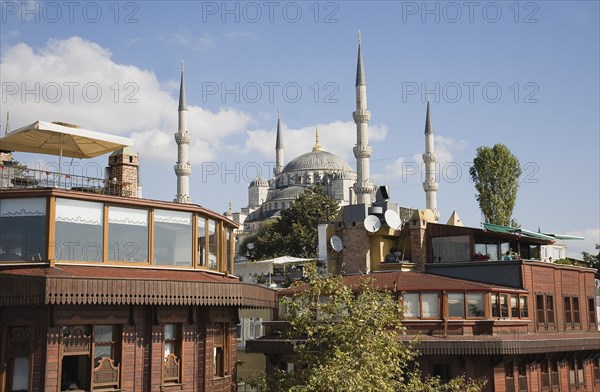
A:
(278, 169)
(183, 169)
(7, 126)
(363, 187)
(430, 158)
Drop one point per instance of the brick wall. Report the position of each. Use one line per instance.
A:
(125, 169)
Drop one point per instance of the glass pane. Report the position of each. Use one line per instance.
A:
(172, 238)
(430, 304)
(104, 333)
(23, 227)
(127, 234)
(475, 304)
(201, 241)
(20, 376)
(169, 348)
(456, 305)
(503, 305)
(495, 307)
(411, 305)
(79, 230)
(523, 307)
(451, 249)
(229, 255)
(170, 331)
(101, 352)
(514, 306)
(213, 245)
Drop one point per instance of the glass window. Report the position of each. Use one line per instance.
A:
(568, 318)
(576, 310)
(170, 339)
(486, 252)
(213, 245)
(456, 305)
(172, 238)
(523, 306)
(591, 311)
(475, 304)
(171, 354)
(229, 255)
(451, 249)
(220, 350)
(430, 305)
(104, 342)
(550, 309)
(127, 234)
(23, 226)
(201, 241)
(79, 230)
(539, 306)
(411, 305)
(494, 302)
(503, 305)
(514, 306)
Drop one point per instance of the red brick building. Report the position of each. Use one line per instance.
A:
(107, 293)
(523, 324)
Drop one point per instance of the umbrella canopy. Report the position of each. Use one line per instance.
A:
(61, 139)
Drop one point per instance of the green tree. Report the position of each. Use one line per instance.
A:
(348, 339)
(592, 260)
(496, 172)
(294, 233)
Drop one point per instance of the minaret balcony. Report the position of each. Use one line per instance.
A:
(429, 157)
(362, 151)
(361, 116)
(183, 169)
(367, 187)
(182, 138)
(431, 186)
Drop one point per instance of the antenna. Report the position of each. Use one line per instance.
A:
(336, 243)
(392, 219)
(372, 223)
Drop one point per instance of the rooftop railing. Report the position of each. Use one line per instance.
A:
(21, 177)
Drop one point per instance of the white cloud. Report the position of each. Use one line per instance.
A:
(575, 247)
(59, 82)
(188, 40)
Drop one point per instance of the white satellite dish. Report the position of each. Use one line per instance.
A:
(336, 243)
(392, 219)
(372, 223)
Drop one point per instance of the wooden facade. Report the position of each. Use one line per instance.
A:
(115, 324)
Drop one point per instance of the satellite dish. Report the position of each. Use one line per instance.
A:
(372, 223)
(336, 243)
(250, 246)
(392, 219)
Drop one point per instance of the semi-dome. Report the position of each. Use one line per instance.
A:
(259, 181)
(317, 160)
(288, 193)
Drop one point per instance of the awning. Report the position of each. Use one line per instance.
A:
(517, 231)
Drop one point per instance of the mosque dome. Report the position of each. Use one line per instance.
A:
(289, 193)
(317, 160)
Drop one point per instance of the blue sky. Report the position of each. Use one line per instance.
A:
(525, 74)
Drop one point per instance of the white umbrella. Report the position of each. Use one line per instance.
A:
(61, 139)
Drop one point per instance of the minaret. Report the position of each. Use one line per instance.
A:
(363, 187)
(278, 169)
(430, 185)
(183, 169)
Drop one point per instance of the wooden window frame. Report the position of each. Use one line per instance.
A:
(576, 375)
(522, 385)
(523, 300)
(174, 358)
(591, 303)
(483, 297)
(509, 376)
(596, 370)
(221, 366)
(25, 334)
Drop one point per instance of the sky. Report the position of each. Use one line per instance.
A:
(522, 73)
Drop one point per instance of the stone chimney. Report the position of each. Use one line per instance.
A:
(123, 167)
(356, 256)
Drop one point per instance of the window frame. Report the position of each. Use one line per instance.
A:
(221, 366)
(176, 356)
(591, 303)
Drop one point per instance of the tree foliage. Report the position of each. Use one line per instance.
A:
(592, 260)
(496, 172)
(348, 339)
(295, 232)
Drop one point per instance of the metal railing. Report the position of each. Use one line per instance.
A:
(20, 177)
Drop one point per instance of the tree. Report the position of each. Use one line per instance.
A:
(496, 172)
(295, 232)
(348, 339)
(592, 260)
